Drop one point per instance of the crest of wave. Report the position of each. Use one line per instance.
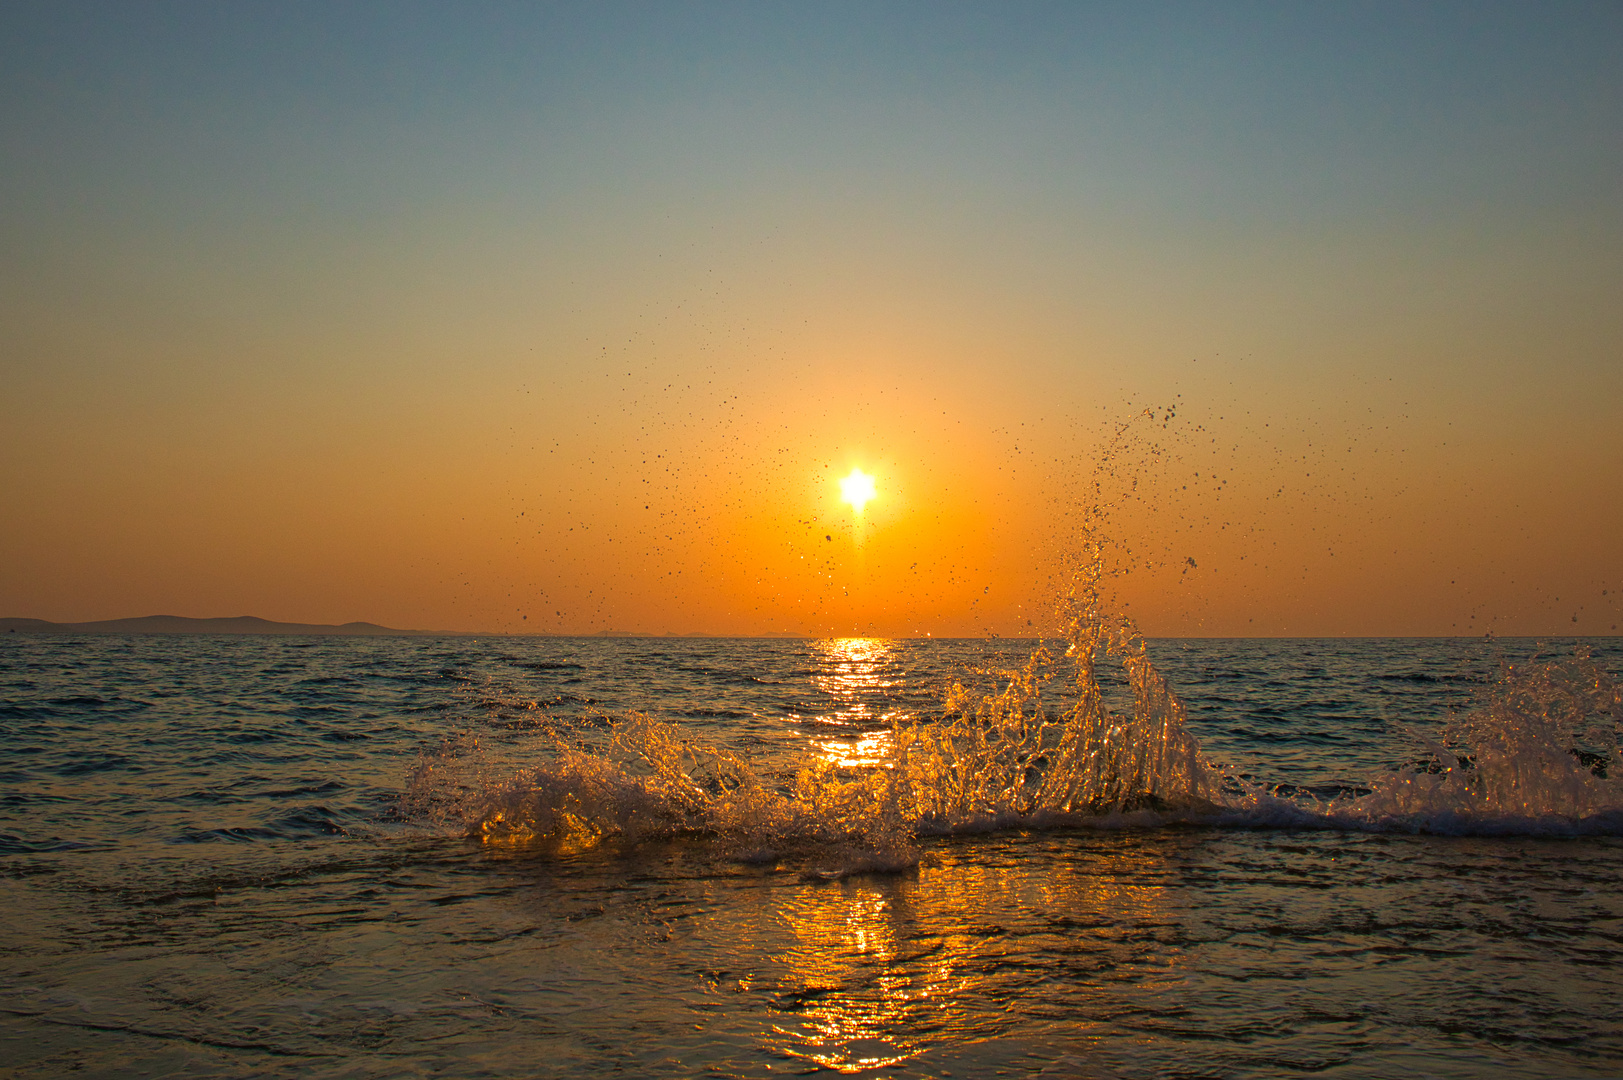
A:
(1541, 752)
(646, 781)
(995, 758)
(1003, 758)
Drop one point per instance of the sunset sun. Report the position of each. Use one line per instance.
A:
(857, 489)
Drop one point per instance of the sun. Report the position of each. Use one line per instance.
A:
(857, 489)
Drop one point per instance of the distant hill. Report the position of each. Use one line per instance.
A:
(179, 624)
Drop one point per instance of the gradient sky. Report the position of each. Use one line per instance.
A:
(484, 317)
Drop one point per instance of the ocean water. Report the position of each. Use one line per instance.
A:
(358, 857)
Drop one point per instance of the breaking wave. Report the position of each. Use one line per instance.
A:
(1540, 753)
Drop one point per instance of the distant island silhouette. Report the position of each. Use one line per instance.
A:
(250, 624)
(180, 624)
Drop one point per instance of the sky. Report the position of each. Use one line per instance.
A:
(568, 318)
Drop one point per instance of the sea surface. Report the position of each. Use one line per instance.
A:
(550, 857)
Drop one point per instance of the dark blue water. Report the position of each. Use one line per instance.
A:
(214, 861)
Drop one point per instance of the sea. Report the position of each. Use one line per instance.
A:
(1096, 857)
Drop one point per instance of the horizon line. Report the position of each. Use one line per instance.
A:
(256, 626)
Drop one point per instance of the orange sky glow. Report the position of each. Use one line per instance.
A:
(548, 332)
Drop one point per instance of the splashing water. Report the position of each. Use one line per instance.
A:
(995, 759)
(1540, 753)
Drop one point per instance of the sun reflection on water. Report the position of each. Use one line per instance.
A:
(853, 1009)
(869, 750)
(877, 971)
(859, 676)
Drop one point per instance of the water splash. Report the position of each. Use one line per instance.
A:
(1540, 753)
(646, 781)
(995, 758)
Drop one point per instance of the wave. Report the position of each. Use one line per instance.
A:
(1539, 754)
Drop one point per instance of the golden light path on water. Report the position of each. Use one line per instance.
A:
(866, 990)
(855, 672)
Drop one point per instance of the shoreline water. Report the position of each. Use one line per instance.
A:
(208, 871)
